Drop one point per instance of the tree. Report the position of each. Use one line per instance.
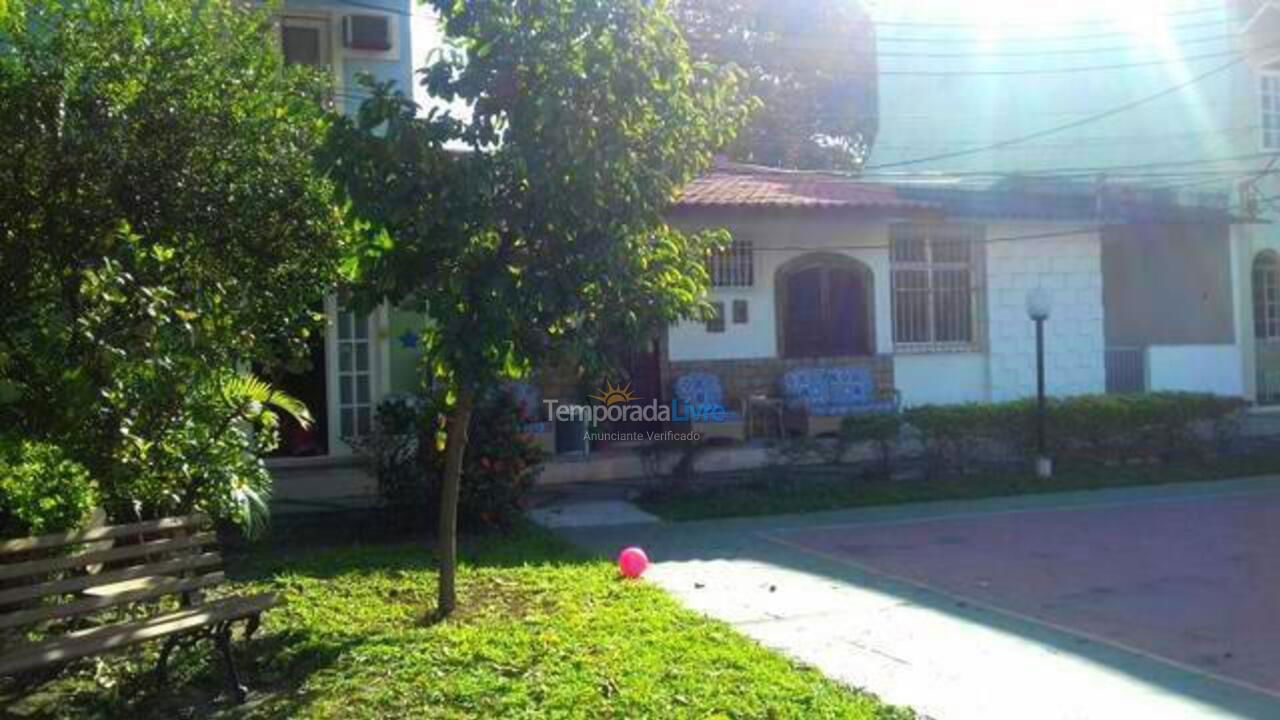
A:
(162, 222)
(811, 63)
(545, 242)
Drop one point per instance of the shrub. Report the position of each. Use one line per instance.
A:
(42, 490)
(406, 452)
(882, 430)
(1081, 429)
(198, 235)
(391, 451)
(951, 433)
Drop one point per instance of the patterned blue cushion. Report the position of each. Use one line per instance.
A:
(699, 390)
(849, 387)
(805, 388)
(832, 392)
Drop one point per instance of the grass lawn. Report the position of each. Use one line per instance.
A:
(542, 632)
(814, 488)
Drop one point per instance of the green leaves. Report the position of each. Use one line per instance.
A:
(249, 397)
(810, 67)
(547, 241)
(162, 221)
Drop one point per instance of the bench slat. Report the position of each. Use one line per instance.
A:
(93, 604)
(77, 537)
(111, 637)
(70, 585)
(127, 552)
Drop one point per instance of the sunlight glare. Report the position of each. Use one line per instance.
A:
(996, 18)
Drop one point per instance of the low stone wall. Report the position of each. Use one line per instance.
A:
(763, 376)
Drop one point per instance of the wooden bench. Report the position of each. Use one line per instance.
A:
(58, 583)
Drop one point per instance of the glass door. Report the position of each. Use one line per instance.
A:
(355, 375)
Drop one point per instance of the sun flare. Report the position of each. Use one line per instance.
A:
(1002, 18)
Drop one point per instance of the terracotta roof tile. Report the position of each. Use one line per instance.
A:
(752, 187)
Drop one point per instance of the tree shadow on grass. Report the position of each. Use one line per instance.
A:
(366, 569)
(274, 667)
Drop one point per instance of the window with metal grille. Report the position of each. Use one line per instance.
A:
(715, 323)
(1269, 103)
(734, 267)
(1266, 296)
(937, 301)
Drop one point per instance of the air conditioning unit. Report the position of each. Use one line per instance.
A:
(366, 32)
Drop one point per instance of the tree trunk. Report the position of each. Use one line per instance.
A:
(455, 451)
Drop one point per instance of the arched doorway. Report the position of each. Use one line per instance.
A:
(825, 307)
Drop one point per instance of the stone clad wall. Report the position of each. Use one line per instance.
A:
(1070, 269)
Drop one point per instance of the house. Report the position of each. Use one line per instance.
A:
(925, 287)
(1167, 105)
(361, 358)
(1124, 165)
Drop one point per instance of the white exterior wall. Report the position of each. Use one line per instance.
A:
(1070, 269)
(1196, 368)
(776, 243)
(941, 378)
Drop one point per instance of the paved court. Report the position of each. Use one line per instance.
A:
(1154, 602)
(1194, 581)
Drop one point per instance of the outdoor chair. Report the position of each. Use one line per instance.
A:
(817, 400)
(699, 395)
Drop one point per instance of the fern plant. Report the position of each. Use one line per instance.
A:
(251, 398)
(253, 404)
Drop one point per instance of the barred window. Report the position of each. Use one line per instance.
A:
(1266, 296)
(734, 267)
(1269, 101)
(937, 274)
(715, 323)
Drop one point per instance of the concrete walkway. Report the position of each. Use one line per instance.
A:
(950, 655)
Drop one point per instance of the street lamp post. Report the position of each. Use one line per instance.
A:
(1039, 305)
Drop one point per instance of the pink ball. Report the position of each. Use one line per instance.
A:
(632, 562)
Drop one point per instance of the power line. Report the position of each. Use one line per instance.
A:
(1068, 126)
(1057, 71)
(1126, 139)
(1096, 170)
(1048, 235)
(1214, 8)
(1040, 53)
(1037, 37)
(932, 40)
(1073, 39)
(1136, 170)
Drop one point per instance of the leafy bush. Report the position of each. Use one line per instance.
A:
(882, 430)
(42, 490)
(198, 235)
(406, 453)
(391, 451)
(1081, 429)
(205, 455)
(951, 433)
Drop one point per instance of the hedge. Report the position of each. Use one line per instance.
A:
(1083, 429)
